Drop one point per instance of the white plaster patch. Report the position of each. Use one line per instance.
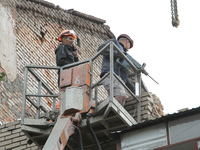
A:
(8, 43)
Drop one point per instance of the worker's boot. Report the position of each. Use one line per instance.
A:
(120, 99)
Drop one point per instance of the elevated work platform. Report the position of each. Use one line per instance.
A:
(37, 130)
(80, 91)
(109, 117)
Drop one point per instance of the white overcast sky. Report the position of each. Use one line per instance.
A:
(171, 54)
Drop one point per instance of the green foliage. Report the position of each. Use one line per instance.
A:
(2, 75)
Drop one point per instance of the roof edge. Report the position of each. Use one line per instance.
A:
(163, 119)
(72, 11)
(44, 3)
(85, 16)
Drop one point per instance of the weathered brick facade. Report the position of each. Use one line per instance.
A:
(36, 26)
(12, 138)
(30, 29)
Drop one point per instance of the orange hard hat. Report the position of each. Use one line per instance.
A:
(66, 32)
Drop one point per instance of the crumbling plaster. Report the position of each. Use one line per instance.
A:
(8, 43)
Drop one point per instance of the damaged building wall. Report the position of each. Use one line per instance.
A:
(151, 107)
(12, 138)
(30, 30)
(8, 43)
(35, 28)
(8, 64)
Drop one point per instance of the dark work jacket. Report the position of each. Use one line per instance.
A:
(118, 69)
(64, 56)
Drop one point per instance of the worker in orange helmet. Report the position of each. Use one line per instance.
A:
(66, 52)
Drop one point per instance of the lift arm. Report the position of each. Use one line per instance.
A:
(61, 132)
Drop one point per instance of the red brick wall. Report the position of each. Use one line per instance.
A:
(37, 26)
(12, 138)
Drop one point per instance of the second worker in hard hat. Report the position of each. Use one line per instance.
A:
(66, 52)
(124, 43)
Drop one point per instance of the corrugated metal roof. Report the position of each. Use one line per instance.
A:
(163, 119)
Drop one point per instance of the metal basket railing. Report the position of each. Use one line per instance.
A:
(94, 84)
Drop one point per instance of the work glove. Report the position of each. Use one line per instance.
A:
(74, 51)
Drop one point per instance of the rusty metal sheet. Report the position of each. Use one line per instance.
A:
(81, 75)
(66, 78)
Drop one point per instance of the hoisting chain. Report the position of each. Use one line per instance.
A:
(174, 13)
